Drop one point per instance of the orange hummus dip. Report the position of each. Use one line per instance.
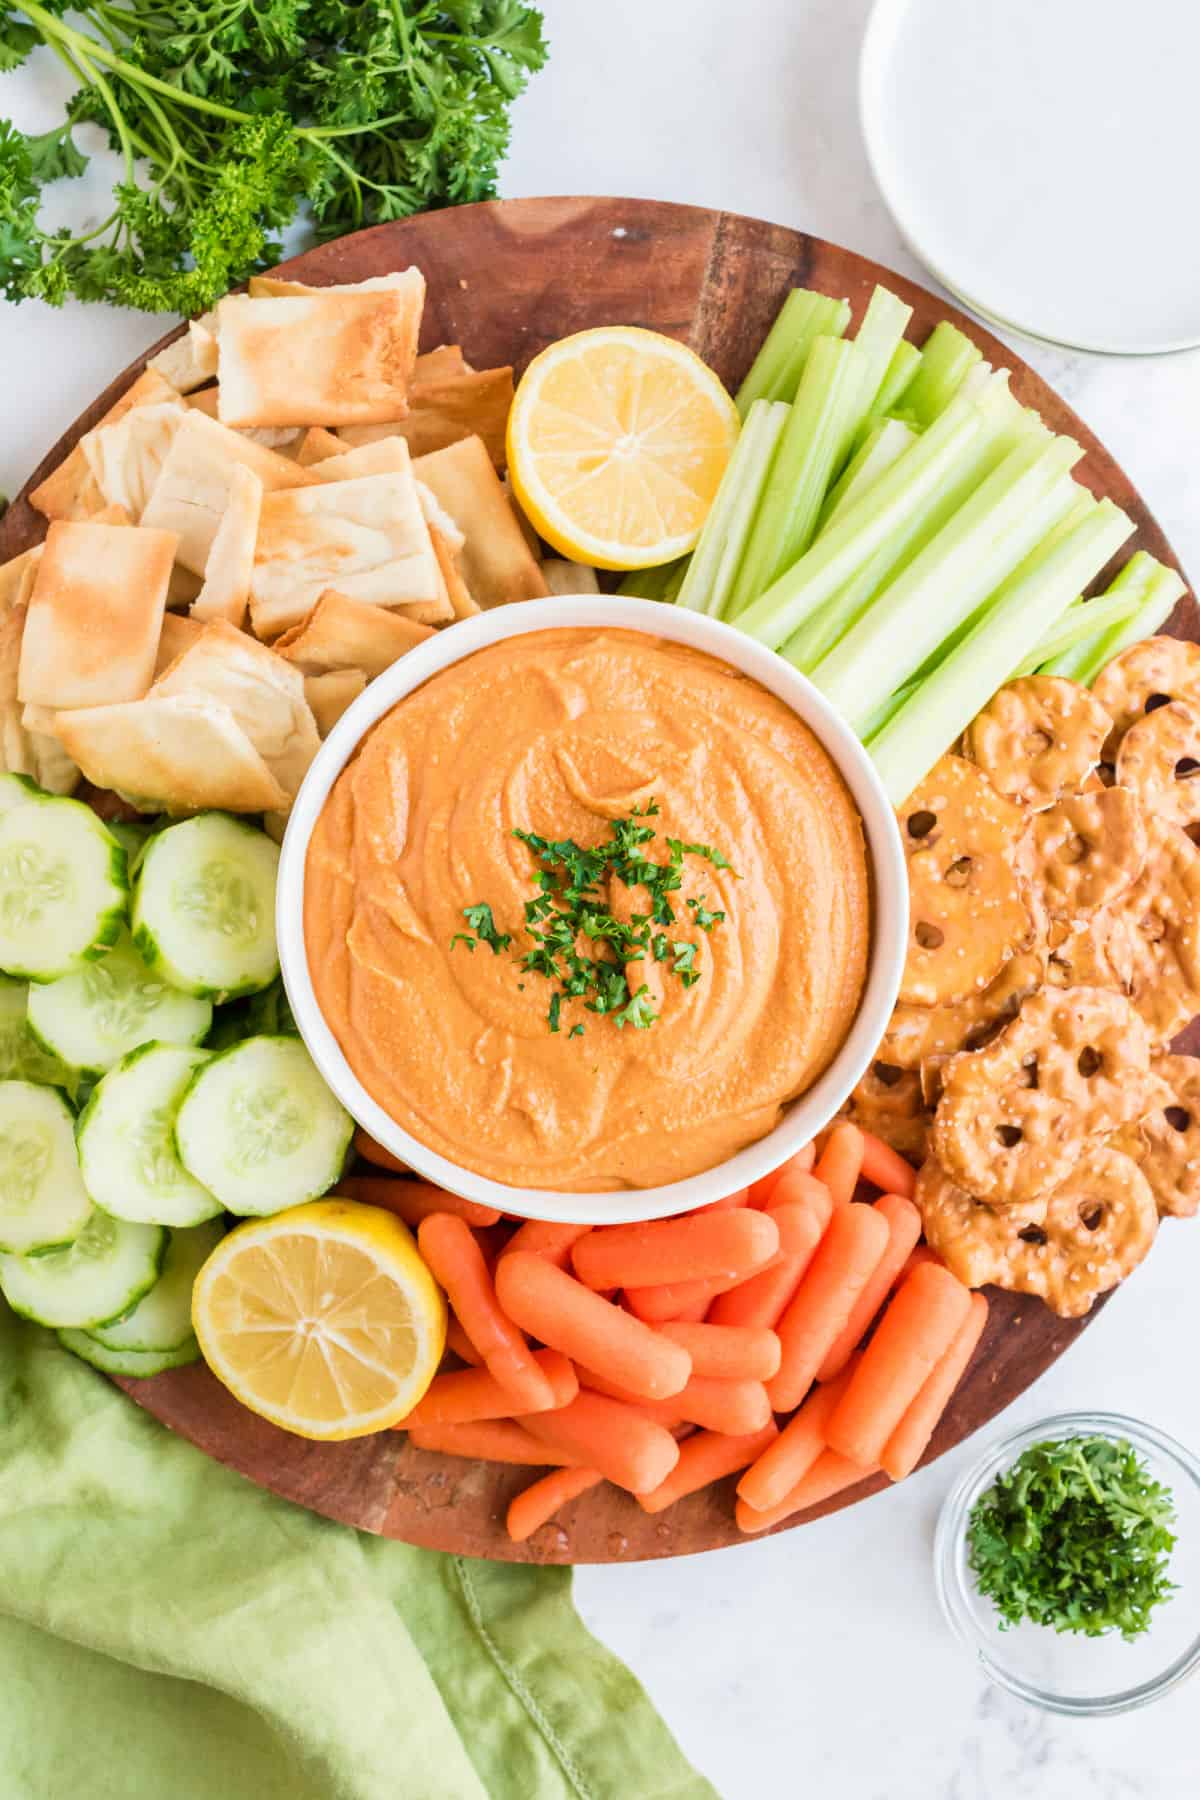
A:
(560, 733)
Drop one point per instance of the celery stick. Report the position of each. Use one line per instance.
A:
(900, 372)
(887, 440)
(776, 370)
(1083, 620)
(979, 546)
(887, 710)
(813, 439)
(866, 525)
(929, 722)
(659, 583)
(945, 360)
(717, 555)
(1156, 589)
(876, 339)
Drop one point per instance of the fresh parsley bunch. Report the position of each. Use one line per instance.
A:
(228, 114)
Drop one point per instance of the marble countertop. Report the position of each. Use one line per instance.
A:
(814, 1663)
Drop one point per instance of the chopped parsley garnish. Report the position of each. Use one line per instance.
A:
(461, 937)
(1076, 1535)
(570, 911)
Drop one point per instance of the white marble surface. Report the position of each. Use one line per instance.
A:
(816, 1663)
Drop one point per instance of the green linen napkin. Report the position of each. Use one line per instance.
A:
(170, 1632)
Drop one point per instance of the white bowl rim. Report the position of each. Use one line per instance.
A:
(805, 1115)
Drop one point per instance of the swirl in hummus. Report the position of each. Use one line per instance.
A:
(560, 733)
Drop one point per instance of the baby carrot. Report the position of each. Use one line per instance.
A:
(663, 1412)
(909, 1441)
(761, 1191)
(840, 1269)
(915, 1332)
(922, 1254)
(725, 1245)
(675, 1299)
(540, 1237)
(828, 1476)
(885, 1168)
(728, 1352)
(458, 1341)
(535, 1505)
(694, 1313)
(558, 1310)
(793, 1453)
(488, 1440)
(626, 1447)
(762, 1299)
(465, 1395)
(456, 1261)
(706, 1457)
(732, 1407)
(795, 1187)
(840, 1162)
(413, 1201)
(904, 1228)
(374, 1152)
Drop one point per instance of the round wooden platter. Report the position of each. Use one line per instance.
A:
(505, 279)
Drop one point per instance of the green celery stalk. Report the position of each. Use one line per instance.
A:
(946, 358)
(776, 370)
(887, 710)
(717, 555)
(1083, 620)
(898, 377)
(979, 546)
(882, 330)
(1156, 588)
(866, 525)
(943, 706)
(887, 440)
(655, 583)
(812, 440)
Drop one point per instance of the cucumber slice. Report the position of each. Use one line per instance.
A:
(128, 1362)
(17, 790)
(133, 835)
(260, 1129)
(63, 890)
(204, 910)
(43, 1202)
(127, 1145)
(22, 1058)
(101, 1275)
(162, 1319)
(98, 1014)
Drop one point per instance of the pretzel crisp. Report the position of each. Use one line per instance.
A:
(1159, 759)
(1165, 1141)
(917, 1033)
(1083, 852)
(967, 913)
(1066, 1248)
(889, 1102)
(1039, 738)
(1145, 676)
(1162, 914)
(1015, 1116)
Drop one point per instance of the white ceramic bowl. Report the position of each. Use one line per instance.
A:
(805, 1115)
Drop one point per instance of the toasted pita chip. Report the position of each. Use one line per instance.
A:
(275, 287)
(264, 693)
(562, 577)
(177, 753)
(226, 590)
(183, 586)
(284, 438)
(448, 543)
(536, 549)
(325, 358)
(439, 364)
(25, 750)
(70, 491)
(368, 538)
(386, 456)
(192, 359)
(318, 445)
(42, 719)
(444, 408)
(95, 614)
(340, 633)
(330, 694)
(17, 577)
(496, 562)
(194, 489)
(126, 459)
(178, 634)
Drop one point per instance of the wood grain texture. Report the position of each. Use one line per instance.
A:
(506, 279)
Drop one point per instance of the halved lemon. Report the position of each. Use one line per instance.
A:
(323, 1319)
(617, 440)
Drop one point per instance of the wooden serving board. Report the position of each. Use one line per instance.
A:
(505, 279)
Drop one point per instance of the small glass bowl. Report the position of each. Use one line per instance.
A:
(1066, 1672)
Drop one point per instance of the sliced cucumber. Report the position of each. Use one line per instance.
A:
(127, 1143)
(260, 1129)
(133, 835)
(43, 1202)
(22, 1058)
(204, 909)
(162, 1319)
(17, 790)
(63, 889)
(135, 1363)
(98, 1014)
(107, 1269)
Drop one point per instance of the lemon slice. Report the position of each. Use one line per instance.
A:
(323, 1319)
(617, 441)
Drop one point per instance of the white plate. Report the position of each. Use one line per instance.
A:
(1040, 158)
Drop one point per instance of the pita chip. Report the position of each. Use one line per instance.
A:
(318, 445)
(178, 634)
(329, 695)
(194, 489)
(325, 358)
(275, 287)
(126, 459)
(436, 365)
(496, 562)
(16, 578)
(70, 491)
(444, 408)
(95, 614)
(448, 543)
(367, 538)
(286, 438)
(263, 693)
(562, 577)
(25, 751)
(226, 590)
(340, 633)
(386, 456)
(176, 752)
(192, 359)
